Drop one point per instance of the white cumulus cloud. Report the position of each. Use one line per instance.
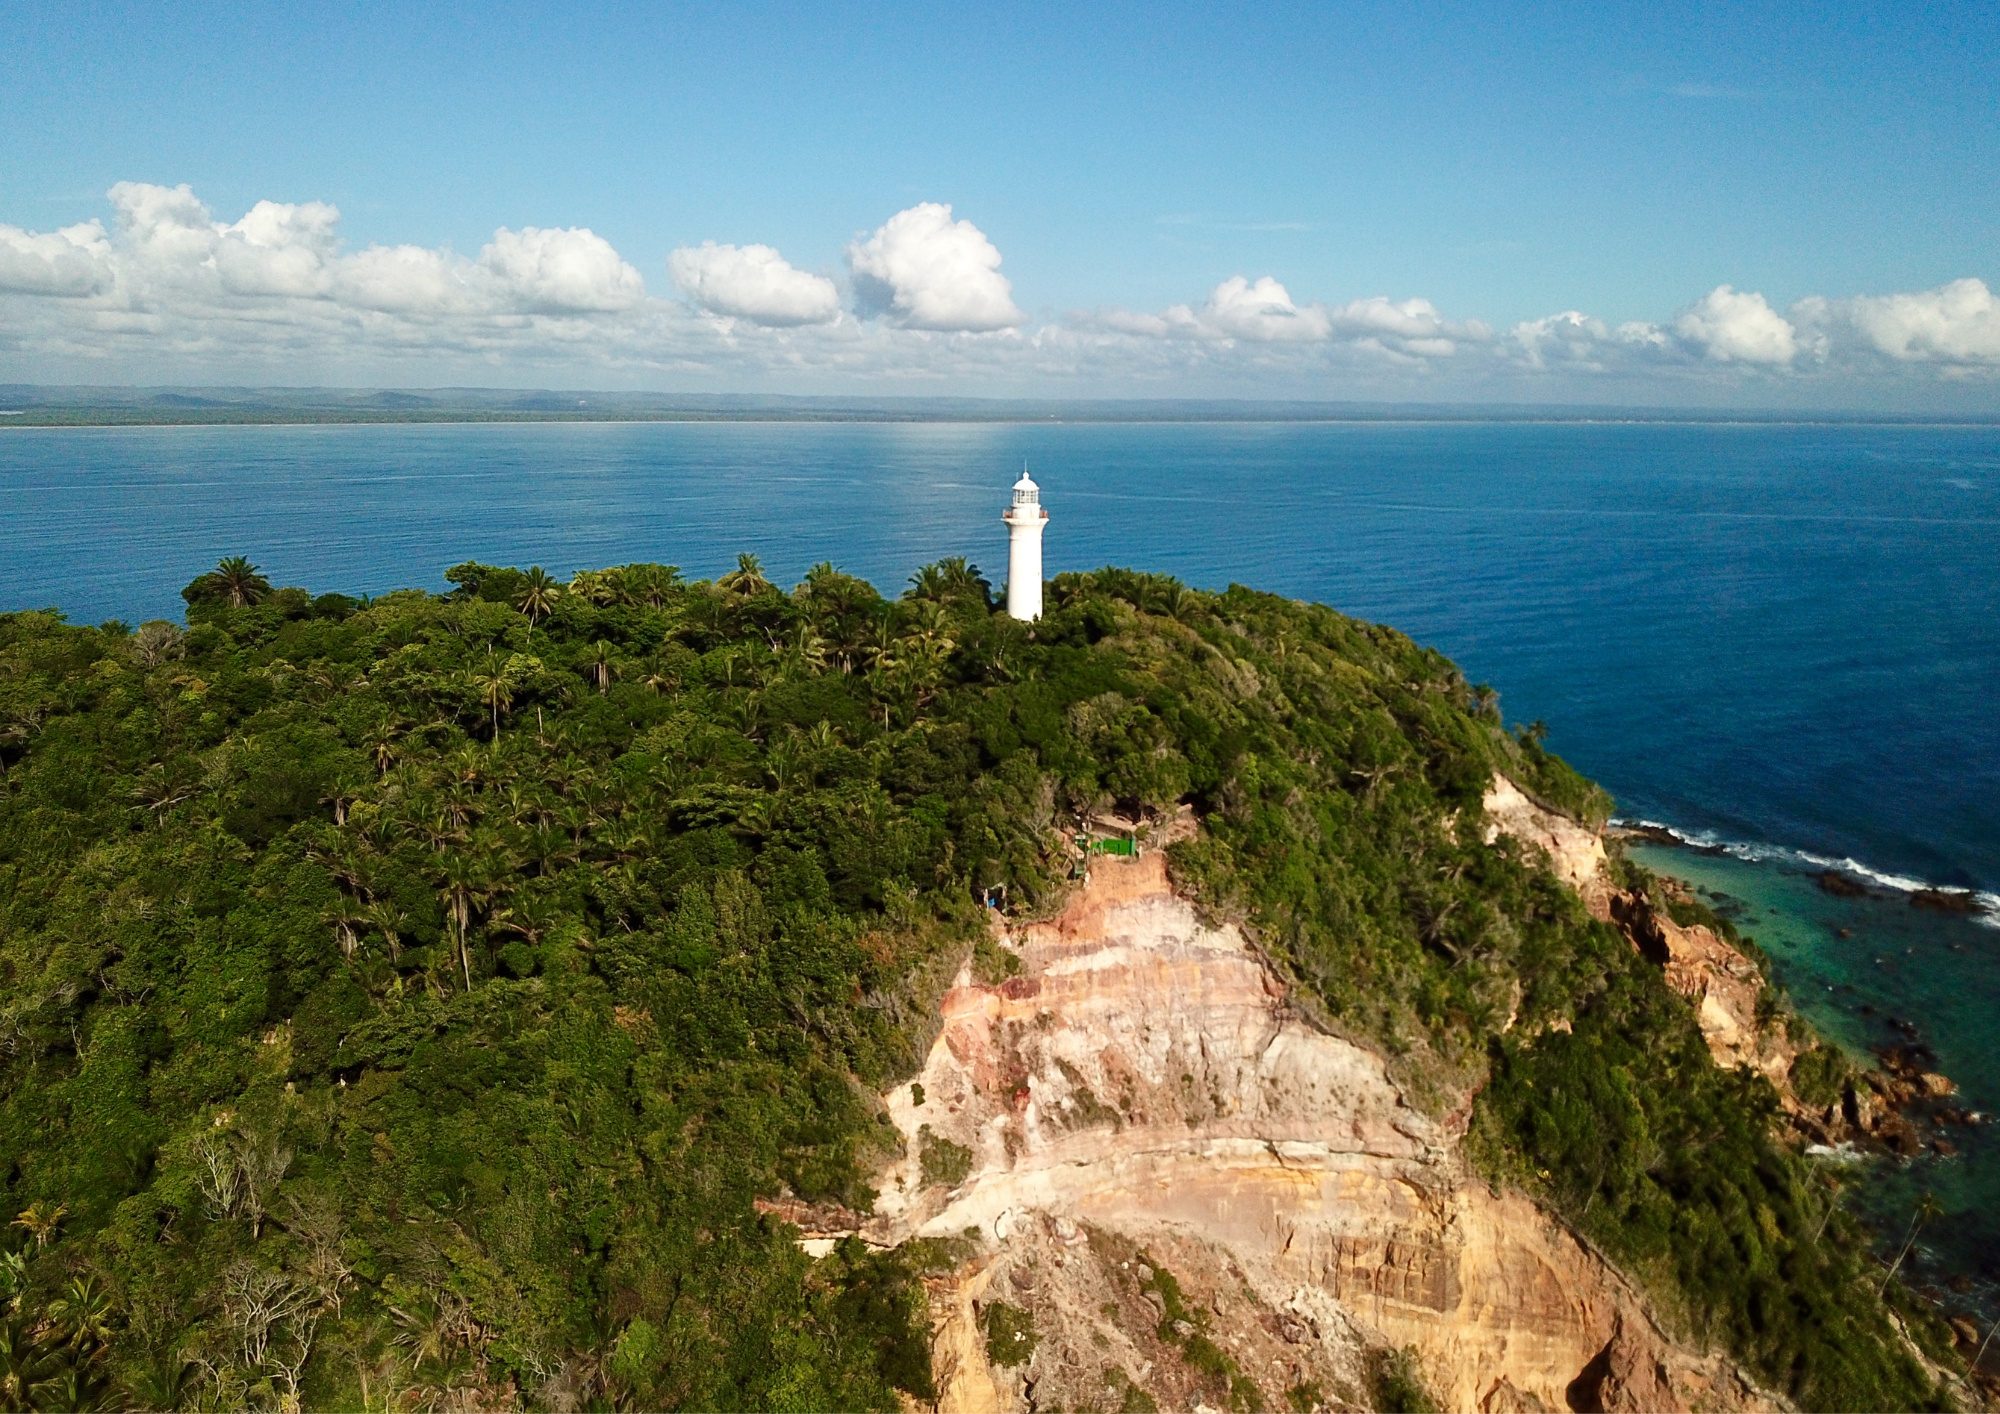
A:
(1263, 312)
(923, 270)
(164, 290)
(1955, 323)
(561, 272)
(173, 252)
(1576, 341)
(753, 282)
(71, 262)
(1730, 326)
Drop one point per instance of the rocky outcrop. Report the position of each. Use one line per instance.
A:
(1175, 1183)
(1722, 984)
(1575, 852)
(1893, 1107)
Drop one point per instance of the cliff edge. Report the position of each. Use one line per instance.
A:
(1173, 1184)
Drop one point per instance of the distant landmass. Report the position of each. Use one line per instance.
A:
(32, 405)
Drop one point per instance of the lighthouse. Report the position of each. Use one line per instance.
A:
(1025, 519)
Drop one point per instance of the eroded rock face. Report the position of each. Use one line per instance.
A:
(1721, 982)
(1575, 852)
(1140, 1100)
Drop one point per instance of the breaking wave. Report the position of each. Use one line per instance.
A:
(1785, 856)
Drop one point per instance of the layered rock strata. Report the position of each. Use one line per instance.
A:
(1181, 1184)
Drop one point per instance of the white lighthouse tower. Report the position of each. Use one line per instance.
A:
(1025, 519)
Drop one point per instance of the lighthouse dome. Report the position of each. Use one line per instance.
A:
(1026, 493)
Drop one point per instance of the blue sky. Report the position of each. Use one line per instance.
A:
(1498, 165)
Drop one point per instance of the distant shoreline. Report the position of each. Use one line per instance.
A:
(30, 405)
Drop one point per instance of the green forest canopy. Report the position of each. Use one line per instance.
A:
(412, 996)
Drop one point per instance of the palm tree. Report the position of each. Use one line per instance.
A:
(878, 645)
(652, 584)
(538, 594)
(598, 587)
(528, 914)
(464, 881)
(805, 647)
(41, 1220)
(1180, 602)
(343, 917)
(389, 921)
(238, 578)
(747, 578)
(1928, 1208)
(658, 679)
(929, 583)
(496, 689)
(600, 668)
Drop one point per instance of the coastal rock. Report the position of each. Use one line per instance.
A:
(1840, 885)
(1575, 852)
(1946, 900)
(1140, 1098)
(1722, 984)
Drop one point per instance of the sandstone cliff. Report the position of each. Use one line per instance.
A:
(1166, 1184)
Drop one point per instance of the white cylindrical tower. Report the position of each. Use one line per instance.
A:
(1025, 519)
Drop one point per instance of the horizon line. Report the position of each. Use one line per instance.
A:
(184, 404)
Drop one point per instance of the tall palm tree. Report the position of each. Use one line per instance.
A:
(389, 921)
(805, 647)
(464, 882)
(538, 594)
(496, 690)
(878, 644)
(928, 583)
(345, 916)
(238, 578)
(528, 914)
(950, 579)
(651, 584)
(601, 668)
(747, 578)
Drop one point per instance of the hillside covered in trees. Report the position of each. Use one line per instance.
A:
(403, 1003)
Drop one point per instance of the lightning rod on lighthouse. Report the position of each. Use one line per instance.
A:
(1025, 519)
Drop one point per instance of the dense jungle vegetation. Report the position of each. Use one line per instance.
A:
(402, 1002)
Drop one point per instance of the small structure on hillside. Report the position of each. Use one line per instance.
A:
(1025, 519)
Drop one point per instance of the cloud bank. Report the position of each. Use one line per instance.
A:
(170, 292)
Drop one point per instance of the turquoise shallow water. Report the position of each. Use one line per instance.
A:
(1786, 637)
(1855, 967)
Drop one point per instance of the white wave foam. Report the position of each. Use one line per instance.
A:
(1989, 903)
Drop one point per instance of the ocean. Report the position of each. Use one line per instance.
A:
(1782, 639)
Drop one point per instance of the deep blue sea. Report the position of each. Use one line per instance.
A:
(1783, 637)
